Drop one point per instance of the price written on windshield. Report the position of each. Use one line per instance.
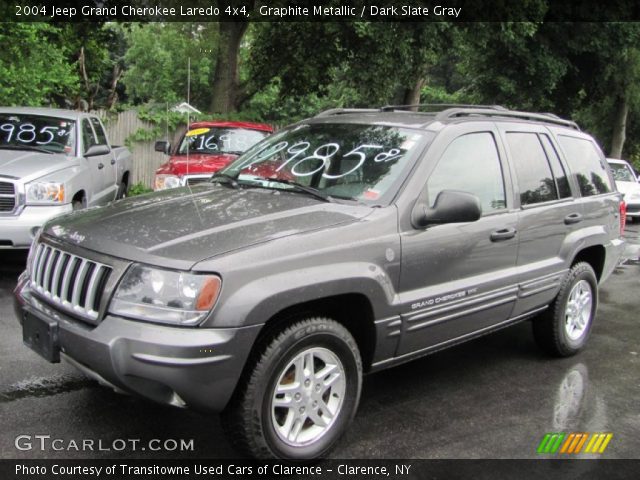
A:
(27, 133)
(302, 159)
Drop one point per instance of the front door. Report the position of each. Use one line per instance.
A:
(461, 278)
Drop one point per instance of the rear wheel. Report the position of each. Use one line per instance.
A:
(300, 394)
(564, 328)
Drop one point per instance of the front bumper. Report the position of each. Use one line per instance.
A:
(633, 209)
(17, 231)
(184, 367)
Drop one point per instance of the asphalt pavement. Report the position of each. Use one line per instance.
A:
(494, 397)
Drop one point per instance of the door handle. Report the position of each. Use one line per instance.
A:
(503, 234)
(100, 166)
(113, 161)
(572, 218)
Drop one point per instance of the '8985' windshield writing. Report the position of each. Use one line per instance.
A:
(350, 161)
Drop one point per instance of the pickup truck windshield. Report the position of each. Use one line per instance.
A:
(212, 140)
(35, 132)
(349, 161)
(621, 173)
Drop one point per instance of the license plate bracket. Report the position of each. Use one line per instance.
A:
(41, 336)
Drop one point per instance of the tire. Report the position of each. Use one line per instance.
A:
(312, 416)
(78, 205)
(123, 191)
(563, 329)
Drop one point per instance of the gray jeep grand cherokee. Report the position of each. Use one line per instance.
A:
(347, 243)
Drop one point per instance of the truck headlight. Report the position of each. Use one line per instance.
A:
(45, 193)
(165, 296)
(163, 182)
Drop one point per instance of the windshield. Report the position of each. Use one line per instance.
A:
(21, 131)
(348, 161)
(214, 140)
(622, 172)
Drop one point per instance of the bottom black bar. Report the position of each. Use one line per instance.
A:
(326, 470)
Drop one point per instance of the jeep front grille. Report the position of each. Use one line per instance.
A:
(69, 282)
(7, 197)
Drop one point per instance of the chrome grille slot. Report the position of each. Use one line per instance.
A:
(70, 282)
(7, 197)
(197, 180)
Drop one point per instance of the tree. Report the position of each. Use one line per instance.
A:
(31, 71)
(156, 62)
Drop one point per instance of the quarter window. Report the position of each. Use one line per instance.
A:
(587, 165)
(533, 171)
(471, 164)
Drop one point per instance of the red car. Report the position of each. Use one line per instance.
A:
(204, 149)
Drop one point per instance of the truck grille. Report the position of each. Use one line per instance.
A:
(196, 180)
(69, 282)
(7, 197)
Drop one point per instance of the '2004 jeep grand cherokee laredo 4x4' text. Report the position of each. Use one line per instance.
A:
(378, 236)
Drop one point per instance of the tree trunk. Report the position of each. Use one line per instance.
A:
(412, 95)
(619, 127)
(225, 79)
(113, 94)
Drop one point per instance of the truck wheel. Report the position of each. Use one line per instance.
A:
(564, 328)
(123, 190)
(299, 394)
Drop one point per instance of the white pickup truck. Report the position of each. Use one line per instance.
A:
(54, 161)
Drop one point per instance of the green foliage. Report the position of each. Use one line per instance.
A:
(157, 62)
(138, 189)
(31, 71)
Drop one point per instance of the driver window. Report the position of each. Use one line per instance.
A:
(471, 164)
(88, 137)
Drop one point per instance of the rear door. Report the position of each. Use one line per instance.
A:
(460, 278)
(548, 213)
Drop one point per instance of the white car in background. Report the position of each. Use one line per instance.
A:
(627, 183)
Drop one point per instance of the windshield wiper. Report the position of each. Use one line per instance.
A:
(26, 147)
(314, 192)
(228, 179)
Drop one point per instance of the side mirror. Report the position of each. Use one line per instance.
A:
(451, 206)
(96, 150)
(162, 146)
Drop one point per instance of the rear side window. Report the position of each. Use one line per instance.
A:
(562, 182)
(471, 164)
(97, 126)
(586, 165)
(533, 171)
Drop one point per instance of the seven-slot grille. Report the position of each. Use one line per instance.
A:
(70, 282)
(7, 197)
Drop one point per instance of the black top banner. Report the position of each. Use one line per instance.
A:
(319, 11)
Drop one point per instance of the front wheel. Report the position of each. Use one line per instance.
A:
(300, 394)
(564, 328)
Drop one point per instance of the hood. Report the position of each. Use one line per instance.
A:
(197, 163)
(181, 226)
(628, 187)
(27, 165)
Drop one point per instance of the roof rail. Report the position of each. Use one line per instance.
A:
(345, 111)
(541, 117)
(439, 106)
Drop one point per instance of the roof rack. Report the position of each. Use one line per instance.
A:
(439, 106)
(448, 111)
(345, 111)
(541, 117)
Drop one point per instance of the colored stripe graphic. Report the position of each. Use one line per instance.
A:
(573, 443)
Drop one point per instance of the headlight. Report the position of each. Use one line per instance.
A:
(165, 296)
(166, 181)
(45, 192)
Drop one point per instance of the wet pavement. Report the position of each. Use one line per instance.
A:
(494, 397)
